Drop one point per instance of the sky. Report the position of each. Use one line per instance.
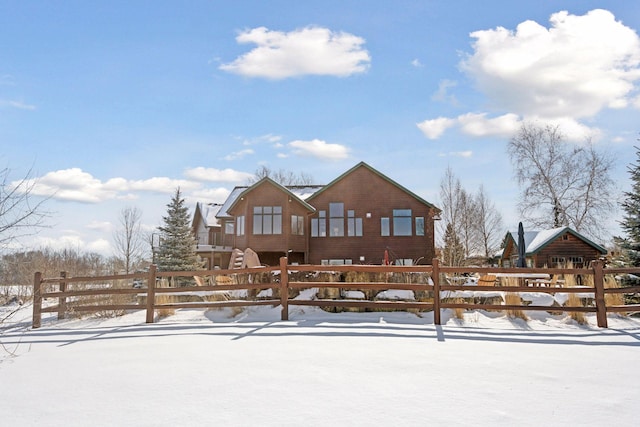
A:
(200, 367)
(116, 104)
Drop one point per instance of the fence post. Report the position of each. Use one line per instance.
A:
(36, 321)
(284, 288)
(435, 278)
(62, 301)
(151, 293)
(598, 283)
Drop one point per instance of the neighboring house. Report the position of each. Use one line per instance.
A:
(211, 243)
(553, 248)
(352, 220)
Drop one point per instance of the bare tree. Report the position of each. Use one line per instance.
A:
(562, 184)
(456, 226)
(489, 222)
(130, 242)
(281, 176)
(20, 214)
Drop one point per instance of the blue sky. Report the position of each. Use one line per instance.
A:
(116, 104)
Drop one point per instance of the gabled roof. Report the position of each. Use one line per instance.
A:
(207, 212)
(231, 199)
(237, 195)
(381, 175)
(535, 241)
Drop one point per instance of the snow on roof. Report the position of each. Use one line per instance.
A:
(536, 240)
(542, 238)
(303, 192)
(235, 193)
(529, 236)
(209, 212)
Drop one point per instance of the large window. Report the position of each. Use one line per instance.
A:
(336, 219)
(267, 220)
(240, 225)
(402, 222)
(297, 225)
(319, 225)
(354, 225)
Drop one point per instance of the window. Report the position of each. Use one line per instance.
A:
(576, 261)
(384, 226)
(354, 225)
(402, 222)
(419, 226)
(404, 261)
(267, 220)
(319, 225)
(336, 219)
(240, 225)
(297, 225)
(228, 227)
(558, 261)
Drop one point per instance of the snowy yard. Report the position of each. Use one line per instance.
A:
(209, 368)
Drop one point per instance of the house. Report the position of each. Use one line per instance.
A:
(555, 248)
(354, 219)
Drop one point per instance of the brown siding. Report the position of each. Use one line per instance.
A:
(266, 194)
(571, 247)
(366, 192)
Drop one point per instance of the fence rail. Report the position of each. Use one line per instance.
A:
(97, 294)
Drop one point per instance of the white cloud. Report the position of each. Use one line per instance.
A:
(442, 94)
(558, 75)
(102, 246)
(479, 125)
(19, 105)
(319, 149)
(104, 226)
(434, 128)
(306, 51)
(239, 154)
(78, 186)
(162, 184)
(416, 63)
(466, 154)
(216, 175)
(214, 195)
(271, 138)
(575, 68)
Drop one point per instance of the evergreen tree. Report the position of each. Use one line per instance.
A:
(453, 252)
(177, 246)
(631, 220)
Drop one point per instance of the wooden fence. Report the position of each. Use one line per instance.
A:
(239, 288)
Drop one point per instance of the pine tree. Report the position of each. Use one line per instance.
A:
(177, 246)
(631, 220)
(453, 252)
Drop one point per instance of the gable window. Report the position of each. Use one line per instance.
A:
(319, 225)
(297, 225)
(240, 225)
(267, 220)
(402, 222)
(384, 226)
(354, 225)
(419, 226)
(336, 219)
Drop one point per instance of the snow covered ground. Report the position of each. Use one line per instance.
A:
(212, 368)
